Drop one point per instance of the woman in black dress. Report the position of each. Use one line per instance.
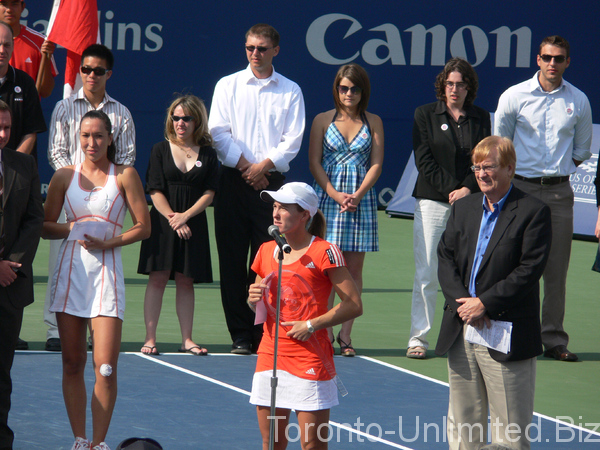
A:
(181, 180)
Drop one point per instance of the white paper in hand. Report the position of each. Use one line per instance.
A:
(496, 337)
(91, 228)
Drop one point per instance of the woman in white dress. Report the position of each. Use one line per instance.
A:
(88, 284)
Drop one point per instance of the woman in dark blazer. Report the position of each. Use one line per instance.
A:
(444, 133)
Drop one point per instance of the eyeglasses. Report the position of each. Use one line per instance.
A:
(484, 169)
(186, 119)
(344, 89)
(97, 70)
(460, 85)
(558, 59)
(251, 48)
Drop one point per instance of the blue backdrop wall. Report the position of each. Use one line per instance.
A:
(167, 47)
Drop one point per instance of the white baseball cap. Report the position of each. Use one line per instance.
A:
(299, 193)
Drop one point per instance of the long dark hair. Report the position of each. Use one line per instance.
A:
(359, 77)
(111, 151)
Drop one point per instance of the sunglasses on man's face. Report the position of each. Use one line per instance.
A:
(251, 48)
(558, 59)
(99, 71)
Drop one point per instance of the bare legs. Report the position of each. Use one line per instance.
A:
(311, 437)
(184, 305)
(354, 262)
(72, 331)
(152, 306)
(106, 332)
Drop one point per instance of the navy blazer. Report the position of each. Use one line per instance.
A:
(435, 150)
(23, 216)
(508, 279)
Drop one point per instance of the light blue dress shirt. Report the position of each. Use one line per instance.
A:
(549, 129)
(488, 223)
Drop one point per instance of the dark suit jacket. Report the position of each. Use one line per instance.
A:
(508, 279)
(435, 151)
(23, 218)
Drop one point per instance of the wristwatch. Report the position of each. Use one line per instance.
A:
(309, 326)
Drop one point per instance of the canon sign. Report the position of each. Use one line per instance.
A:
(468, 36)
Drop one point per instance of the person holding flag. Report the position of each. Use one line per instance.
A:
(33, 53)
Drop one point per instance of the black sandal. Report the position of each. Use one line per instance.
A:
(346, 349)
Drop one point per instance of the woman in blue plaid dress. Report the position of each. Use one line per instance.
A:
(346, 158)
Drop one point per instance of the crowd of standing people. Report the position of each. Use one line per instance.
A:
(491, 217)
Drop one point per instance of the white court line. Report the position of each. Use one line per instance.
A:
(341, 426)
(192, 373)
(433, 380)
(242, 391)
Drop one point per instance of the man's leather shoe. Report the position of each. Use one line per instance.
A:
(241, 347)
(560, 353)
(53, 345)
(22, 345)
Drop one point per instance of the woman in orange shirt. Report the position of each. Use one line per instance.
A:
(305, 367)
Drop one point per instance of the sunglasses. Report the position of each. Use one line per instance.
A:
(559, 59)
(251, 48)
(186, 119)
(344, 89)
(97, 70)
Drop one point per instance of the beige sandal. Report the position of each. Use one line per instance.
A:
(416, 352)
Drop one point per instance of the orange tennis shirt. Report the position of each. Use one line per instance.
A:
(305, 289)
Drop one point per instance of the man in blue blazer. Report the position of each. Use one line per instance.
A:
(21, 218)
(491, 258)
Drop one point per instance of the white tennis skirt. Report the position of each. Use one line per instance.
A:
(293, 392)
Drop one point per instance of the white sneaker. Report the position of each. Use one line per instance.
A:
(81, 444)
(101, 446)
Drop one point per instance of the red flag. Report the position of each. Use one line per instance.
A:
(74, 25)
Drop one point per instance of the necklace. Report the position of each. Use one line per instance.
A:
(187, 152)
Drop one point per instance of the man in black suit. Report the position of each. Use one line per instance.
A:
(21, 218)
(491, 258)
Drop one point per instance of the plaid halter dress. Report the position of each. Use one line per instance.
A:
(346, 165)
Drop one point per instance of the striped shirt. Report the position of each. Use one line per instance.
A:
(64, 147)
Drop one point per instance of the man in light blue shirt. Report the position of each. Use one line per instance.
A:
(550, 123)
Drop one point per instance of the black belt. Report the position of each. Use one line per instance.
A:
(544, 181)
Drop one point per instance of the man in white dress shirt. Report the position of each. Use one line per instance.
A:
(257, 122)
(550, 123)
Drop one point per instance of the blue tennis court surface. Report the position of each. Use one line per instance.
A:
(189, 402)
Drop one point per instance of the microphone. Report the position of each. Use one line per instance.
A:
(281, 242)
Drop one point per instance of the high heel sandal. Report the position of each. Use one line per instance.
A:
(346, 349)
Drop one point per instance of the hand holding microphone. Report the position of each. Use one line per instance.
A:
(281, 242)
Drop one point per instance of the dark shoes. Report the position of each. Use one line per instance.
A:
(22, 345)
(53, 345)
(346, 349)
(241, 347)
(560, 353)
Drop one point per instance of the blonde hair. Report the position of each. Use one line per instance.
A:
(194, 107)
(503, 145)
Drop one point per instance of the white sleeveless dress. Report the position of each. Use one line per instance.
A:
(91, 283)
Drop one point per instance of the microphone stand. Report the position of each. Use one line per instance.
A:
(274, 377)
